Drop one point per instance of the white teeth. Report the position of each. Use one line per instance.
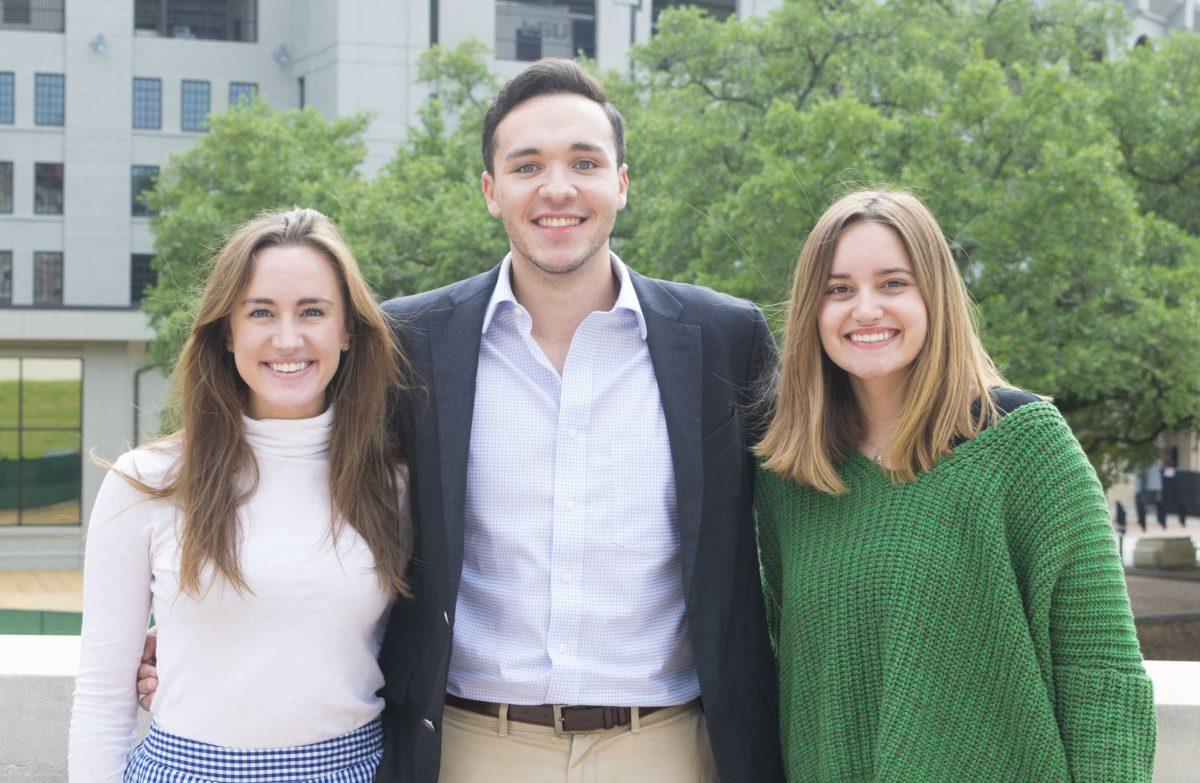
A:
(559, 222)
(876, 337)
(289, 367)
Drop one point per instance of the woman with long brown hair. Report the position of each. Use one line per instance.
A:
(940, 570)
(267, 535)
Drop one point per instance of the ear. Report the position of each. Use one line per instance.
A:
(622, 186)
(488, 183)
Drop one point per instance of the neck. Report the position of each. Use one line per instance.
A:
(559, 303)
(880, 402)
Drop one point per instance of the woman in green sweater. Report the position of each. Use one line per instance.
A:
(940, 572)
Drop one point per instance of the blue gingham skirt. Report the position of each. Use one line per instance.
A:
(167, 758)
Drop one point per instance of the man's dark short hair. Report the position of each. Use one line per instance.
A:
(548, 76)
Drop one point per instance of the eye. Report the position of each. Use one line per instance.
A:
(895, 283)
(838, 290)
(526, 168)
(587, 165)
(260, 313)
(314, 311)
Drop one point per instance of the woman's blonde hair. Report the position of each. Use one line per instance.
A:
(816, 416)
(216, 472)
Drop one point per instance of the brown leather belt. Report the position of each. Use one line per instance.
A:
(562, 718)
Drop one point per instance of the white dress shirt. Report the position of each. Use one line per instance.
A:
(292, 663)
(571, 590)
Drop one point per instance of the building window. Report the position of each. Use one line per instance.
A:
(147, 103)
(41, 461)
(143, 180)
(194, 105)
(528, 30)
(141, 276)
(6, 187)
(227, 20)
(5, 277)
(7, 90)
(44, 16)
(48, 189)
(47, 278)
(242, 91)
(49, 93)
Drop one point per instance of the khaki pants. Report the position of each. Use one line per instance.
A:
(670, 746)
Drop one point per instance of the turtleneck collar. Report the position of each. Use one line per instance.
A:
(290, 437)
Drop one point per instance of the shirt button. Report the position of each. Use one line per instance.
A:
(428, 724)
(571, 433)
(569, 505)
(562, 648)
(566, 578)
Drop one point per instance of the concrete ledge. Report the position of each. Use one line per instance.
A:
(37, 678)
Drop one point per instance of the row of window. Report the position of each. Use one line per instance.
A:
(49, 104)
(49, 98)
(195, 102)
(48, 277)
(48, 188)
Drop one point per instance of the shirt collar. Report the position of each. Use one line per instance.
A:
(626, 296)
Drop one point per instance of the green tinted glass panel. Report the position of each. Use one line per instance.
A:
(10, 477)
(34, 623)
(50, 488)
(51, 392)
(10, 375)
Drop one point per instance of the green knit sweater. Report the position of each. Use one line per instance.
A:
(972, 625)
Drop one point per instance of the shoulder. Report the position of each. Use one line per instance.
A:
(701, 300)
(726, 317)
(1009, 400)
(413, 306)
(152, 464)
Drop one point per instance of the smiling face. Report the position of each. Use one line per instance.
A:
(287, 332)
(872, 320)
(556, 186)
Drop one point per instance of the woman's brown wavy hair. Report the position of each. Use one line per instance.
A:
(215, 472)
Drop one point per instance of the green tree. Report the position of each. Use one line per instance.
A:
(253, 158)
(1066, 183)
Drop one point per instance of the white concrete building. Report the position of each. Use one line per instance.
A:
(1159, 18)
(95, 95)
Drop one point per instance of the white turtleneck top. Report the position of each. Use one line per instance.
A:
(290, 664)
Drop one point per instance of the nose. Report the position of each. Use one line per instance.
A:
(288, 336)
(867, 309)
(557, 185)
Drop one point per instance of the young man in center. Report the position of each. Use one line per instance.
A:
(587, 597)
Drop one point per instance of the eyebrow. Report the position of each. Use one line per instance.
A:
(579, 146)
(306, 300)
(878, 273)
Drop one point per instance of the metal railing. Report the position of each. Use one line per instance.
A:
(45, 16)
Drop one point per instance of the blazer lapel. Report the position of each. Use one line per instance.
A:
(454, 342)
(677, 356)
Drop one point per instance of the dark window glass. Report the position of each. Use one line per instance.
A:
(141, 276)
(6, 187)
(40, 453)
(194, 105)
(48, 189)
(527, 30)
(213, 20)
(142, 180)
(39, 15)
(7, 88)
(242, 91)
(49, 95)
(5, 277)
(47, 278)
(147, 103)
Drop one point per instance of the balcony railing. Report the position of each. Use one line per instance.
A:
(209, 20)
(531, 30)
(45, 16)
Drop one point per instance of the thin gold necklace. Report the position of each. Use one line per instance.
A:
(878, 457)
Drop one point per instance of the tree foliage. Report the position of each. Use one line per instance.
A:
(1064, 168)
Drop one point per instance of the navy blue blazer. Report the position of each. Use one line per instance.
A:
(709, 351)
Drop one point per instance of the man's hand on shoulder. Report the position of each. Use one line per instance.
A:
(147, 673)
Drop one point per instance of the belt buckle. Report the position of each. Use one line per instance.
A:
(559, 731)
